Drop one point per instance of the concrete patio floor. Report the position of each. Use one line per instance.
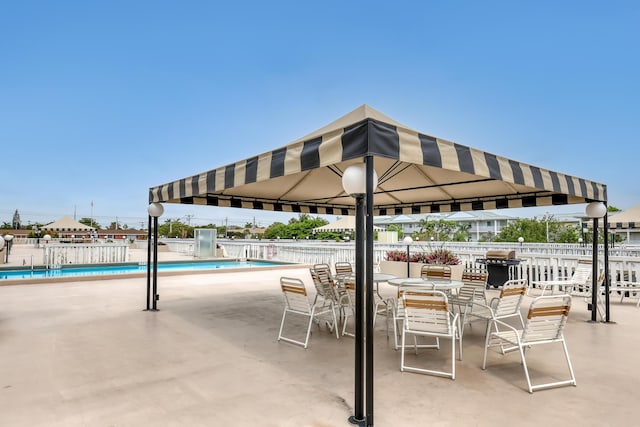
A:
(86, 354)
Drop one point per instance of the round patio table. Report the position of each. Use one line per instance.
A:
(439, 285)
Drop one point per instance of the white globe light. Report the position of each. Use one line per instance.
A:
(155, 210)
(354, 179)
(46, 237)
(407, 240)
(8, 237)
(596, 210)
(520, 239)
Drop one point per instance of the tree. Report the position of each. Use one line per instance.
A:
(275, 230)
(462, 233)
(175, 228)
(299, 228)
(538, 230)
(15, 223)
(441, 230)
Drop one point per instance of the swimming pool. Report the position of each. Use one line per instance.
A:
(101, 270)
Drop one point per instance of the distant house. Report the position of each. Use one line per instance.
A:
(483, 224)
(120, 234)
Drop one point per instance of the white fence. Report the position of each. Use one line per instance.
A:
(538, 261)
(84, 254)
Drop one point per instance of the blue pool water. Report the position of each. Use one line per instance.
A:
(99, 270)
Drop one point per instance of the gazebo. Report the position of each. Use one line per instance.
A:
(67, 225)
(627, 222)
(341, 225)
(364, 164)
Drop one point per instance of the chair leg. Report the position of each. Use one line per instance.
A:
(311, 316)
(566, 356)
(346, 320)
(487, 340)
(335, 322)
(457, 332)
(453, 355)
(284, 314)
(396, 320)
(402, 352)
(526, 370)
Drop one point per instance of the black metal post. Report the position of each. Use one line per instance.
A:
(155, 263)
(594, 274)
(369, 289)
(408, 262)
(149, 265)
(606, 268)
(358, 417)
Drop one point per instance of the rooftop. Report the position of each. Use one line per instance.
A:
(85, 353)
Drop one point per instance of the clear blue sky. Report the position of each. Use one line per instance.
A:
(101, 100)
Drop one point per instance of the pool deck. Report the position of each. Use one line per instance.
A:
(87, 354)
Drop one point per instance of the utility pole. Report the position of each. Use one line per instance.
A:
(188, 217)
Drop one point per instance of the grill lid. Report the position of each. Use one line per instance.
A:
(500, 254)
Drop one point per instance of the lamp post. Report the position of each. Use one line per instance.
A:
(36, 233)
(408, 241)
(8, 238)
(359, 181)
(580, 241)
(155, 210)
(596, 210)
(521, 240)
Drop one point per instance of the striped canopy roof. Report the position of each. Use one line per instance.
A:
(418, 173)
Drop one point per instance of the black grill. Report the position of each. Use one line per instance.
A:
(498, 265)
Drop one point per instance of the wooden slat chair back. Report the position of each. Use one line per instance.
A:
(436, 272)
(324, 283)
(397, 308)
(427, 314)
(505, 306)
(343, 268)
(474, 284)
(510, 299)
(297, 302)
(546, 320)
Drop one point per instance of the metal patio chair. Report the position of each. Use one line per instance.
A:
(297, 302)
(427, 314)
(545, 324)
